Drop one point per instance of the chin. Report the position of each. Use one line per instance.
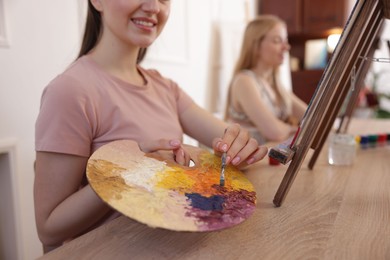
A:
(144, 43)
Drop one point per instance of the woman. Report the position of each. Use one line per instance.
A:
(256, 98)
(105, 95)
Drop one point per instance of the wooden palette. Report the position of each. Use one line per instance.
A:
(161, 193)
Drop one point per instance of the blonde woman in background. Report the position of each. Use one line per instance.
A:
(256, 98)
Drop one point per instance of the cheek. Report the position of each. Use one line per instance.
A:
(267, 53)
(163, 16)
(116, 13)
(162, 20)
(271, 55)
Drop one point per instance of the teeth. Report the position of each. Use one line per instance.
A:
(143, 23)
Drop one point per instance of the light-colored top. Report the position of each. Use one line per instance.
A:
(85, 108)
(241, 118)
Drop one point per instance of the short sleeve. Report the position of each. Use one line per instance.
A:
(183, 100)
(64, 122)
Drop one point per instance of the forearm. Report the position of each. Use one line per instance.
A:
(73, 216)
(201, 125)
(63, 210)
(298, 107)
(276, 131)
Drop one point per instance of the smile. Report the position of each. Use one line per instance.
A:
(143, 23)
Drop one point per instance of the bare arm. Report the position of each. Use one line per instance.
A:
(245, 92)
(298, 107)
(240, 147)
(202, 125)
(62, 209)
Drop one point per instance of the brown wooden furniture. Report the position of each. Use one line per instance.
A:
(307, 20)
(305, 82)
(291, 12)
(334, 212)
(346, 64)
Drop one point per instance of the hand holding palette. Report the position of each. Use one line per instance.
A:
(161, 193)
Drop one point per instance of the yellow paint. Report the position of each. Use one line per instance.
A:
(200, 179)
(160, 204)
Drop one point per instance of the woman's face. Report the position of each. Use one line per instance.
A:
(273, 46)
(135, 22)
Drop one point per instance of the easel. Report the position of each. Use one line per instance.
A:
(345, 70)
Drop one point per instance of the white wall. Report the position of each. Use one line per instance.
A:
(43, 38)
(191, 52)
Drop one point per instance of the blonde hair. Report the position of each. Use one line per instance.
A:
(254, 33)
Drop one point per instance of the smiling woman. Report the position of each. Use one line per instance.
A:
(106, 95)
(41, 43)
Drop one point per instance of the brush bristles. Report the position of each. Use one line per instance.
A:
(283, 154)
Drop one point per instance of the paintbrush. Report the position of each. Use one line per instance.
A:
(223, 165)
(284, 152)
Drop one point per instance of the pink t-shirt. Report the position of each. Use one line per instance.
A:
(85, 108)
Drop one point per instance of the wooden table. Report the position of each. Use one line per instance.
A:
(331, 212)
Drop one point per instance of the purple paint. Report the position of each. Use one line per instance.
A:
(221, 211)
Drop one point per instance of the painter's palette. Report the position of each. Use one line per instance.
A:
(163, 194)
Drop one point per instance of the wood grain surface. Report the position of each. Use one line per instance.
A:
(332, 212)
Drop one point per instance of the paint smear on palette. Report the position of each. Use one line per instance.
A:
(163, 194)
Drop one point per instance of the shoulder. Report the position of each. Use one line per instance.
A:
(244, 80)
(69, 88)
(64, 87)
(76, 79)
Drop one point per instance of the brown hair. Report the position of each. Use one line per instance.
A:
(93, 31)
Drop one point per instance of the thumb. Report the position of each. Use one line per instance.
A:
(161, 144)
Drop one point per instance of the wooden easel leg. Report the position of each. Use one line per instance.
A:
(290, 175)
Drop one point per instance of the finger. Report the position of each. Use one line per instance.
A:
(180, 157)
(234, 139)
(161, 144)
(225, 143)
(229, 137)
(258, 155)
(191, 153)
(217, 143)
(241, 144)
(245, 151)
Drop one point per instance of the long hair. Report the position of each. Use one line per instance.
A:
(254, 34)
(93, 31)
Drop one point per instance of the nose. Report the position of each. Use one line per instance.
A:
(151, 6)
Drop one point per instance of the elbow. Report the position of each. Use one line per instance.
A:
(49, 242)
(48, 239)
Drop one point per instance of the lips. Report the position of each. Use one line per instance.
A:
(144, 22)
